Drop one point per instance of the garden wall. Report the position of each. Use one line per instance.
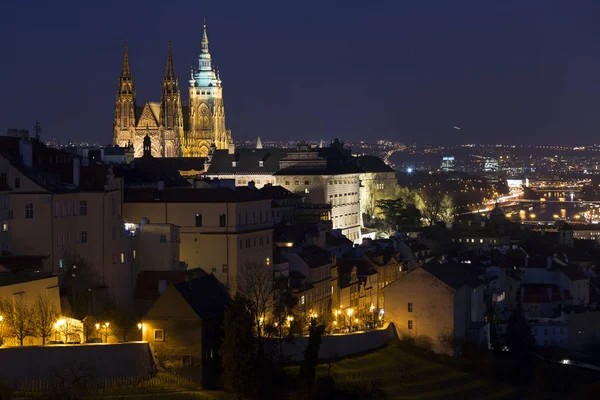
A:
(101, 360)
(335, 346)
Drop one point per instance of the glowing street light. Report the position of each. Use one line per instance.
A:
(139, 325)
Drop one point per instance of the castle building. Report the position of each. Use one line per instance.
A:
(175, 130)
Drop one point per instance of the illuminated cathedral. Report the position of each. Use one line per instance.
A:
(174, 129)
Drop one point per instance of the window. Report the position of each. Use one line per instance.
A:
(17, 183)
(159, 335)
(247, 243)
(4, 226)
(163, 238)
(261, 163)
(222, 220)
(134, 254)
(122, 258)
(214, 270)
(234, 164)
(83, 207)
(186, 360)
(241, 245)
(224, 268)
(306, 182)
(83, 237)
(302, 300)
(114, 258)
(198, 219)
(410, 324)
(3, 177)
(410, 307)
(28, 210)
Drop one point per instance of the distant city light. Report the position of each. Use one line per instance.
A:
(409, 170)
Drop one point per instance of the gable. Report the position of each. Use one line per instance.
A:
(171, 305)
(147, 117)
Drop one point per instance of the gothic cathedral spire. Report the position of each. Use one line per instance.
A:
(171, 116)
(124, 121)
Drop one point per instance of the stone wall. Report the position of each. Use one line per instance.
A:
(101, 360)
(335, 346)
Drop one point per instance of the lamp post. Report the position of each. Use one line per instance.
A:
(106, 325)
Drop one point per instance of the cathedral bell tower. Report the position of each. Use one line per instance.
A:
(124, 122)
(207, 112)
(171, 116)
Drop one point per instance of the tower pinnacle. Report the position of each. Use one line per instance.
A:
(170, 73)
(125, 70)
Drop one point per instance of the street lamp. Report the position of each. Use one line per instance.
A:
(106, 325)
(139, 326)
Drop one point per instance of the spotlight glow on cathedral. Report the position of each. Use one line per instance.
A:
(175, 130)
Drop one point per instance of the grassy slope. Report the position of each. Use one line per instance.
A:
(404, 376)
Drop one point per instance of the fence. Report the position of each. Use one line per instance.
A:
(161, 382)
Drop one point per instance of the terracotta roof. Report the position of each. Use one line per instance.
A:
(456, 275)
(315, 256)
(206, 295)
(23, 263)
(146, 285)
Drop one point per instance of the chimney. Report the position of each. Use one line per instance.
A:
(231, 149)
(26, 152)
(76, 170)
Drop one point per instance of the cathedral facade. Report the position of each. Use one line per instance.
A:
(174, 129)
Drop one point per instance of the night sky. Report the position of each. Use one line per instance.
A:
(504, 71)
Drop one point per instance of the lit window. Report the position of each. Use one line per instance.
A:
(410, 324)
(5, 226)
(159, 335)
(134, 254)
(302, 300)
(122, 258)
(480, 240)
(198, 219)
(234, 163)
(261, 163)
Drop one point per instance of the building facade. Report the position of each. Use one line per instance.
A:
(175, 130)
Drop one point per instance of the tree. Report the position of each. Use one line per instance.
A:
(45, 314)
(18, 319)
(283, 306)
(255, 283)
(238, 355)
(78, 280)
(448, 342)
(398, 214)
(308, 369)
(521, 344)
(68, 329)
(438, 206)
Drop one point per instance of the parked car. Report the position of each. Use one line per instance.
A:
(56, 342)
(94, 340)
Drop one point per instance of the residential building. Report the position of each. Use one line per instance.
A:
(220, 229)
(52, 207)
(442, 301)
(183, 327)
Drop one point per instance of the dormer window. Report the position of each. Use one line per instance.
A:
(261, 163)
(234, 163)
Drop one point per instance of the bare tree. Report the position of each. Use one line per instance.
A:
(438, 206)
(18, 319)
(69, 329)
(448, 341)
(45, 314)
(255, 283)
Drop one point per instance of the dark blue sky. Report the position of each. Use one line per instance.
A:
(505, 71)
